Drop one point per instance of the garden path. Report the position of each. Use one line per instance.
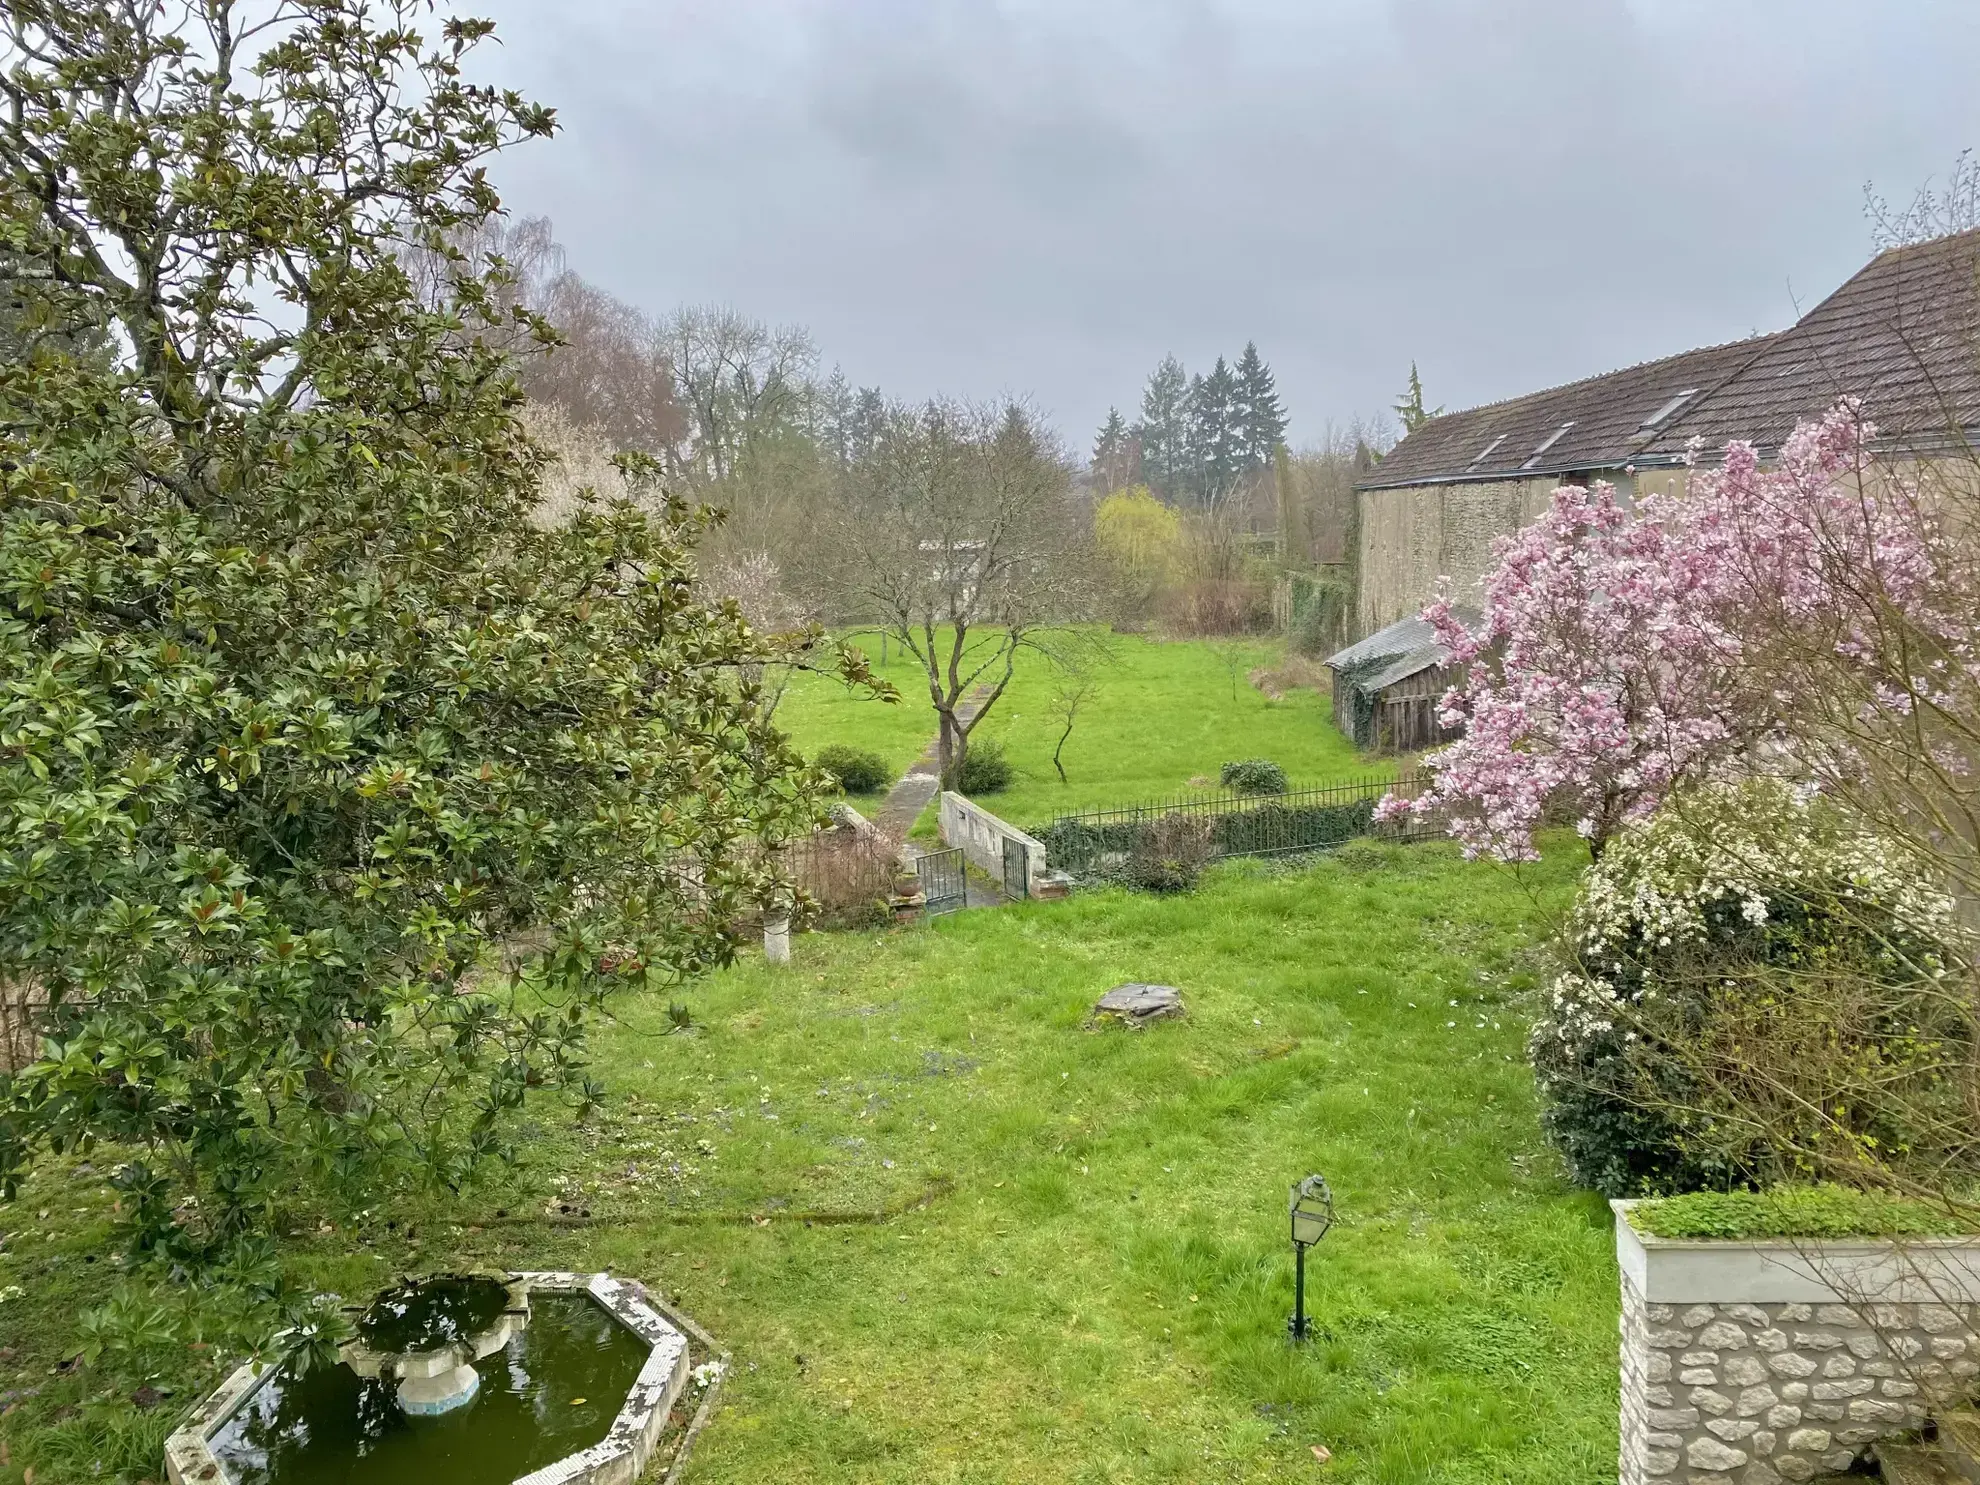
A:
(909, 797)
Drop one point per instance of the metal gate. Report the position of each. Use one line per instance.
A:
(940, 875)
(1017, 870)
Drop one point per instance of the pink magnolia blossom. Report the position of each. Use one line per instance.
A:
(1594, 679)
(1624, 651)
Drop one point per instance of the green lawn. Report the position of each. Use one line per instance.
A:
(1167, 711)
(1094, 1284)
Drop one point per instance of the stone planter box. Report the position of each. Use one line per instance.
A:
(1746, 1363)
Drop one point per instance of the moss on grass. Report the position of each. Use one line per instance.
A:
(1792, 1212)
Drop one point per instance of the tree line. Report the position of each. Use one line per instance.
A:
(1198, 435)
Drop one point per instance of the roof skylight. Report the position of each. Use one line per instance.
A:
(1547, 443)
(1658, 418)
(1486, 452)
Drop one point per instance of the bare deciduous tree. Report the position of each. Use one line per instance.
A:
(1076, 688)
(955, 536)
(738, 379)
(1932, 213)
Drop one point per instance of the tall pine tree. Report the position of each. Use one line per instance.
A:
(1163, 430)
(1216, 432)
(1262, 418)
(1114, 453)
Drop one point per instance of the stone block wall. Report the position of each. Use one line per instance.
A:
(1752, 1394)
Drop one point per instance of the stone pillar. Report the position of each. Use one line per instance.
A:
(777, 937)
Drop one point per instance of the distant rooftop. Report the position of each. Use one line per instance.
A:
(1903, 334)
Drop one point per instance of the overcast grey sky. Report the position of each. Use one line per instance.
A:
(1045, 196)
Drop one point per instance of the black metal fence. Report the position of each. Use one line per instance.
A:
(1189, 832)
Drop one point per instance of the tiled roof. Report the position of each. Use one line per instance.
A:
(1901, 335)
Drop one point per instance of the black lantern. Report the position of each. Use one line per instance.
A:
(1312, 1210)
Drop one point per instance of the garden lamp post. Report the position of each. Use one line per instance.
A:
(1312, 1209)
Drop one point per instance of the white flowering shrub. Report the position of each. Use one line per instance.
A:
(1740, 928)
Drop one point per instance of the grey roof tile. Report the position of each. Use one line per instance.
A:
(1903, 334)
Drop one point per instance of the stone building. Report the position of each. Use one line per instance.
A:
(1901, 335)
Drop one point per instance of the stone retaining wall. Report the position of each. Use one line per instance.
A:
(1753, 1363)
(1753, 1394)
(982, 835)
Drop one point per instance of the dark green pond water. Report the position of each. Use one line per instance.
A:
(553, 1390)
(432, 1312)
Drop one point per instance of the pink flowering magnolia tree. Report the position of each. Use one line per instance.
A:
(1820, 618)
(1596, 681)
(1853, 582)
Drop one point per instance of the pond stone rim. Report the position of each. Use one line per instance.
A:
(620, 1456)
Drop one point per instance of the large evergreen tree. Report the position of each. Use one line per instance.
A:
(1114, 452)
(1216, 432)
(341, 793)
(1164, 430)
(1260, 415)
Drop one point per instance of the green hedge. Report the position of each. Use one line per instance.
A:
(1096, 849)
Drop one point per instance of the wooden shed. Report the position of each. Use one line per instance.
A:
(1387, 686)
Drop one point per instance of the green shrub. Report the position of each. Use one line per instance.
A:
(1749, 995)
(858, 770)
(1171, 854)
(1269, 829)
(1253, 776)
(985, 769)
(1821, 1211)
(343, 763)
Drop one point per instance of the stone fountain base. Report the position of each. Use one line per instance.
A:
(617, 1459)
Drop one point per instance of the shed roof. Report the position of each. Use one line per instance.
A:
(1903, 334)
(1406, 648)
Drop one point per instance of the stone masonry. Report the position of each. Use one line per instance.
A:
(1752, 1394)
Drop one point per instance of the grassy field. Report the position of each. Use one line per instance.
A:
(1167, 711)
(1088, 1276)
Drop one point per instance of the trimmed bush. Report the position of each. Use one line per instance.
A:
(1269, 829)
(985, 769)
(857, 770)
(1750, 992)
(1253, 776)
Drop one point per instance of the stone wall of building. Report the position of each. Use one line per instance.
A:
(1416, 534)
(1752, 1394)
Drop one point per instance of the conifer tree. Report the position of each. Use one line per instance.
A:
(1411, 411)
(1262, 419)
(1217, 434)
(1114, 453)
(1163, 430)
